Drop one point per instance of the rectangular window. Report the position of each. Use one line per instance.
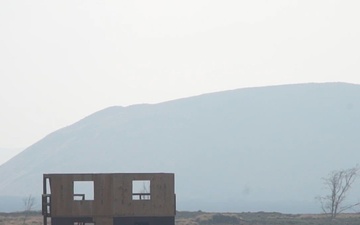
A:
(83, 190)
(141, 190)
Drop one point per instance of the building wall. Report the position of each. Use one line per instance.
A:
(112, 196)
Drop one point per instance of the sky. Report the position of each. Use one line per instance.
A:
(63, 60)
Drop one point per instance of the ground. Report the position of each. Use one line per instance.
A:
(32, 218)
(204, 218)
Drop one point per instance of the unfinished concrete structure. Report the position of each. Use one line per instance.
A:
(109, 199)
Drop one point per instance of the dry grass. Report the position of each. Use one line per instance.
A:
(203, 218)
(33, 218)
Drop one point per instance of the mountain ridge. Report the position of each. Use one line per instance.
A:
(227, 143)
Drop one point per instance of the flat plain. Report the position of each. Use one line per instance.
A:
(213, 218)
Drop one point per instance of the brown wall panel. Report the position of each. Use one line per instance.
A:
(112, 196)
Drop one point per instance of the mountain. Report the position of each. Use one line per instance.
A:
(250, 149)
(8, 153)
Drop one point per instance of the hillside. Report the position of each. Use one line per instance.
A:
(252, 149)
(7, 153)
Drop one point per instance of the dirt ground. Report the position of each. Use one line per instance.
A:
(204, 218)
(33, 218)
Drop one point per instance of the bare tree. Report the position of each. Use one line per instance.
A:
(338, 183)
(29, 203)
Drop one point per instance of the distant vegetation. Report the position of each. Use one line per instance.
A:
(205, 218)
(262, 218)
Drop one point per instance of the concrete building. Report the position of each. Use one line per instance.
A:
(109, 199)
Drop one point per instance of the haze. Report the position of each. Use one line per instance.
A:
(63, 60)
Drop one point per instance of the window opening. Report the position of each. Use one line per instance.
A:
(46, 198)
(48, 185)
(83, 190)
(141, 190)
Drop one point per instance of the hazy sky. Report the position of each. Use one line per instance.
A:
(63, 60)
